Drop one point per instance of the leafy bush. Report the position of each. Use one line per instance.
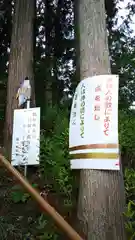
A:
(9, 230)
(55, 166)
(127, 144)
(129, 184)
(130, 198)
(130, 220)
(46, 229)
(54, 156)
(127, 137)
(18, 194)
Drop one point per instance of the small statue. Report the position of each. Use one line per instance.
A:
(24, 92)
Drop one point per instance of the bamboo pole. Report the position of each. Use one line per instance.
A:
(41, 201)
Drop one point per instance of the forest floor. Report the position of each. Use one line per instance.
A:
(20, 217)
(16, 219)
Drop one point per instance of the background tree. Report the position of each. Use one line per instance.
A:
(5, 37)
(55, 49)
(121, 45)
(20, 61)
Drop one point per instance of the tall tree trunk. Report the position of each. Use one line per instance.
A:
(101, 196)
(21, 60)
(56, 55)
(48, 51)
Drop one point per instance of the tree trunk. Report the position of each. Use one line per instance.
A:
(21, 60)
(101, 195)
(57, 53)
(48, 52)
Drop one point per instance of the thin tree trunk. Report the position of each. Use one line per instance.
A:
(21, 60)
(48, 52)
(101, 196)
(56, 55)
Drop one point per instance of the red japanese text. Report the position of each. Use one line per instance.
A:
(108, 107)
(97, 103)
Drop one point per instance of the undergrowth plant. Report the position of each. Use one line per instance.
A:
(55, 166)
(130, 205)
(19, 195)
(127, 143)
(46, 229)
(9, 230)
(54, 156)
(127, 137)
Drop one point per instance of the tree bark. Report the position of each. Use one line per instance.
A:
(57, 53)
(101, 195)
(20, 62)
(48, 52)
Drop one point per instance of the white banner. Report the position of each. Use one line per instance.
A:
(93, 134)
(26, 137)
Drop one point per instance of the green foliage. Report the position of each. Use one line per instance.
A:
(130, 223)
(122, 49)
(46, 228)
(127, 136)
(54, 158)
(127, 144)
(8, 229)
(130, 197)
(130, 183)
(18, 195)
(55, 166)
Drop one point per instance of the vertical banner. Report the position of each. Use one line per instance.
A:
(26, 137)
(93, 133)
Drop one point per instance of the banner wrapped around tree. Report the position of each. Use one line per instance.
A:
(93, 135)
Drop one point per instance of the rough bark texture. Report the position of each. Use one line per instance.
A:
(101, 195)
(21, 60)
